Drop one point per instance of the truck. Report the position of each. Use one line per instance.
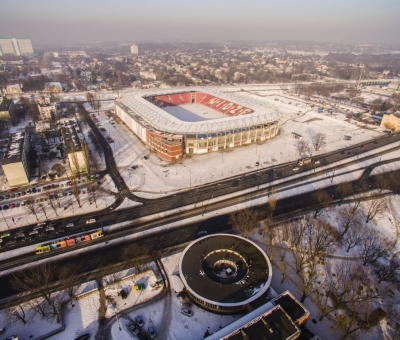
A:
(305, 160)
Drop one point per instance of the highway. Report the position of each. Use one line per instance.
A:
(278, 177)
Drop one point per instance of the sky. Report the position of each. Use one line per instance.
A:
(347, 21)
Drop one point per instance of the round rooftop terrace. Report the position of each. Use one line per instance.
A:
(224, 272)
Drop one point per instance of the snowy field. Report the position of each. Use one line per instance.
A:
(193, 112)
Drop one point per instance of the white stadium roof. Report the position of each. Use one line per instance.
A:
(161, 120)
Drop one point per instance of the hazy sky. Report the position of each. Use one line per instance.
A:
(361, 21)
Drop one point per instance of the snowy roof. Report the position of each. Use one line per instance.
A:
(271, 324)
(15, 148)
(225, 269)
(136, 105)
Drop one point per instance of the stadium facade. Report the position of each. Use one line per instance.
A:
(243, 121)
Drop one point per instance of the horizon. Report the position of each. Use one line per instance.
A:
(359, 22)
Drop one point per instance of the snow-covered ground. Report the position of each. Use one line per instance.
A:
(154, 177)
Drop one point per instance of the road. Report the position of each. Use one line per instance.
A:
(279, 177)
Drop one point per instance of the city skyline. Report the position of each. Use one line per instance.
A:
(366, 21)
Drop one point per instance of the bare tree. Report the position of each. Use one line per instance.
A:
(375, 207)
(38, 279)
(269, 235)
(76, 193)
(52, 202)
(388, 271)
(31, 208)
(92, 192)
(75, 163)
(319, 140)
(311, 280)
(86, 156)
(374, 247)
(302, 147)
(344, 189)
(244, 221)
(42, 206)
(90, 98)
(138, 256)
(322, 200)
(272, 201)
(69, 280)
(349, 215)
(354, 236)
(383, 181)
(39, 305)
(18, 313)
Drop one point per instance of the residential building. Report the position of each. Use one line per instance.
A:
(134, 49)
(54, 87)
(16, 162)
(46, 110)
(13, 89)
(16, 46)
(6, 112)
(148, 75)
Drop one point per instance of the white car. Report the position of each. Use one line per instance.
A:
(92, 220)
(316, 162)
(70, 225)
(34, 232)
(295, 169)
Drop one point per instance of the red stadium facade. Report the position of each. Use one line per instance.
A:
(172, 138)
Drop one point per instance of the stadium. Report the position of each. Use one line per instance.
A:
(224, 273)
(179, 122)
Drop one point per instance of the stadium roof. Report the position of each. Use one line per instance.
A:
(161, 120)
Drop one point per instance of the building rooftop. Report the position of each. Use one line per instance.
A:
(225, 269)
(15, 148)
(291, 306)
(272, 325)
(5, 104)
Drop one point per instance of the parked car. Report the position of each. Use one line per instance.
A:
(133, 329)
(113, 206)
(316, 162)
(139, 321)
(5, 235)
(202, 233)
(187, 312)
(90, 221)
(152, 332)
(33, 232)
(49, 228)
(70, 225)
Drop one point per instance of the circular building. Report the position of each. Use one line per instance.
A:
(224, 273)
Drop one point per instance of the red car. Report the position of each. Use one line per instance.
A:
(119, 179)
(13, 189)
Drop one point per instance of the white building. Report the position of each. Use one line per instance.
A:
(15, 46)
(148, 75)
(134, 49)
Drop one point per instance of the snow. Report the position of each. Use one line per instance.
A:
(193, 112)
(154, 178)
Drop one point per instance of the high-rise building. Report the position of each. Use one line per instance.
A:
(134, 49)
(16, 46)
